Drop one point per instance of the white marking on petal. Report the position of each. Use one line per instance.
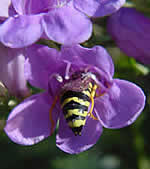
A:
(16, 16)
(26, 141)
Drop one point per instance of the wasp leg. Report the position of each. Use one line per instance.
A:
(92, 102)
(91, 110)
(50, 114)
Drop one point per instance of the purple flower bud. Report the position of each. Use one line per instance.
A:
(63, 21)
(4, 4)
(131, 32)
(80, 92)
(12, 71)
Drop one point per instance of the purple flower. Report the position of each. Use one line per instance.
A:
(114, 103)
(131, 32)
(63, 21)
(12, 71)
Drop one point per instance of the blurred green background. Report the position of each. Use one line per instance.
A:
(126, 148)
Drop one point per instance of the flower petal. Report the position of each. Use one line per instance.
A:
(40, 64)
(121, 106)
(20, 31)
(2, 19)
(32, 6)
(12, 12)
(97, 8)
(29, 122)
(12, 70)
(62, 25)
(19, 6)
(4, 4)
(96, 56)
(131, 39)
(68, 142)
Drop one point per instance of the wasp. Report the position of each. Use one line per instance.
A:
(77, 100)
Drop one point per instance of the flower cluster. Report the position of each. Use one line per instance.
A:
(63, 21)
(118, 103)
(78, 89)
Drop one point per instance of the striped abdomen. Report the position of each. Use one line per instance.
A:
(75, 106)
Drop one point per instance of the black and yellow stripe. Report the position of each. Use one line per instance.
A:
(75, 107)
